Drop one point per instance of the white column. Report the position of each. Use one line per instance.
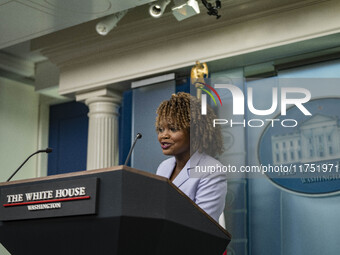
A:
(102, 147)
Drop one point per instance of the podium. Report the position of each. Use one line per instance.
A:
(118, 211)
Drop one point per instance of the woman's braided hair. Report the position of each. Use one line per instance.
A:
(183, 112)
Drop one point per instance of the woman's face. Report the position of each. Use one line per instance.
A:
(173, 142)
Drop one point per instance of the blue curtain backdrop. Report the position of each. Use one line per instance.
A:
(68, 138)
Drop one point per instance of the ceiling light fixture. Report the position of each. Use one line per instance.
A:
(157, 9)
(108, 23)
(185, 9)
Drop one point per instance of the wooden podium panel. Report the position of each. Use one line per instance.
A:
(126, 211)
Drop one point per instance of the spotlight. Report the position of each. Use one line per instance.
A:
(109, 22)
(157, 9)
(185, 9)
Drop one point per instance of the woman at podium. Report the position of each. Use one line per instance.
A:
(192, 141)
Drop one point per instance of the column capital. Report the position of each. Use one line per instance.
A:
(100, 95)
(102, 99)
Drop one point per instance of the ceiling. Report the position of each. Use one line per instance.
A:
(22, 20)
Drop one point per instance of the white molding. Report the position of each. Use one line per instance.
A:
(16, 65)
(104, 92)
(149, 47)
(79, 44)
(153, 80)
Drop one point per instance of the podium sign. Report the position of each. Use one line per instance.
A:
(48, 199)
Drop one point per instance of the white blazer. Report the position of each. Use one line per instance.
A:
(208, 191)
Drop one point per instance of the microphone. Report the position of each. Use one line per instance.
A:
(47, 150)
(138, 136)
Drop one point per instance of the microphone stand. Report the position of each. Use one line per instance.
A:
(48, 150)
(138, 136)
